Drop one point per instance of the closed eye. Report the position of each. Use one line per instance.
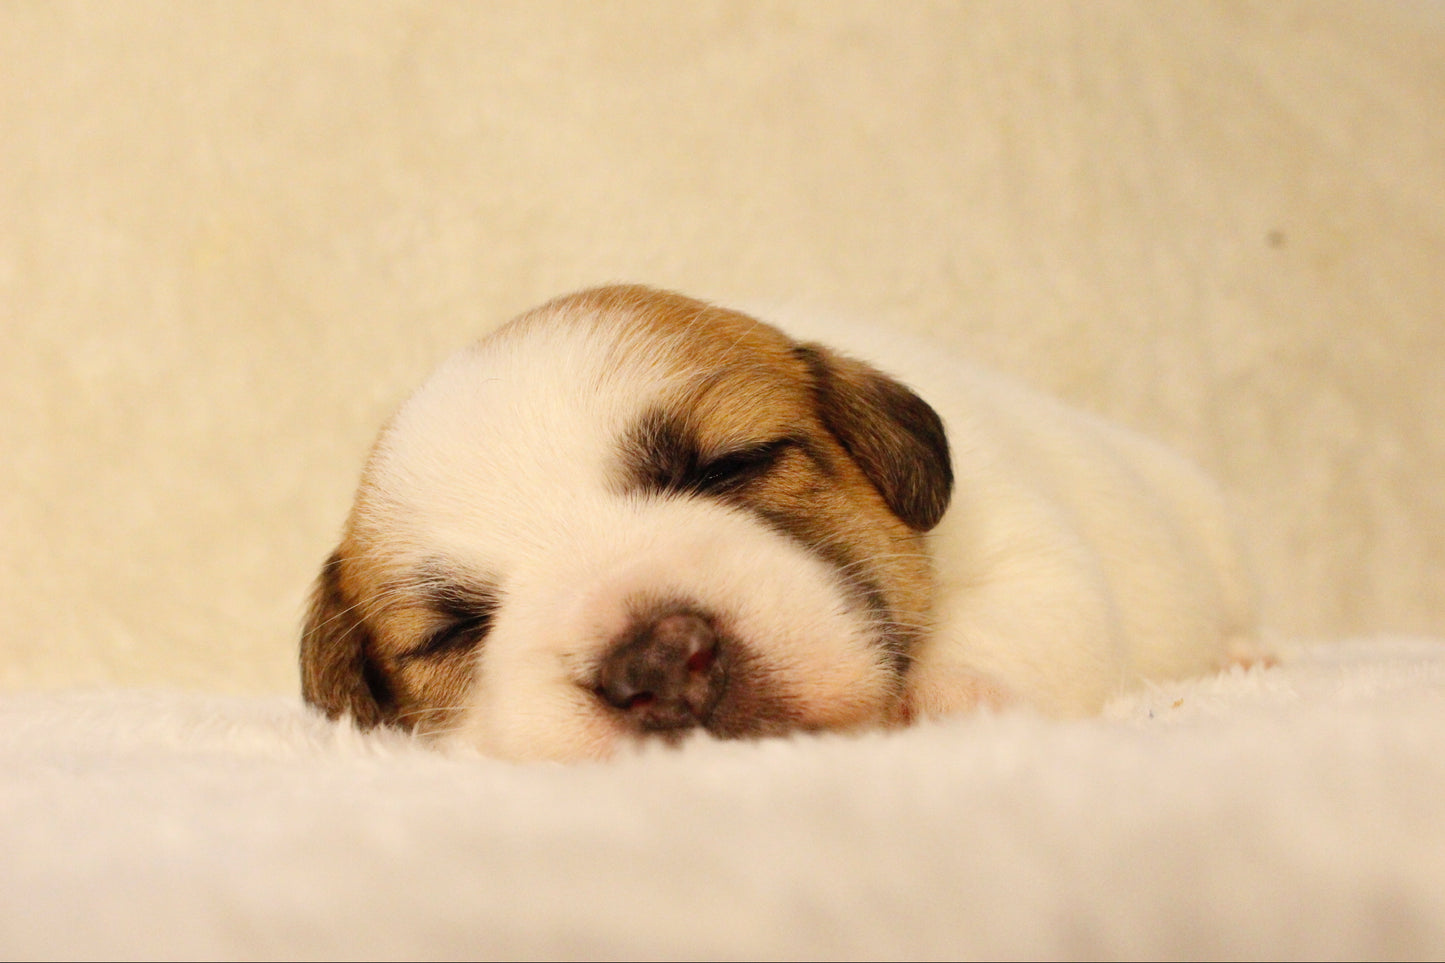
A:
(661, 454)
(734, 469)
(462, 635)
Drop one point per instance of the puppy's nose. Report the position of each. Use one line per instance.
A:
(664, 673)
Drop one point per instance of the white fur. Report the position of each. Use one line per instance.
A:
(1075, 561)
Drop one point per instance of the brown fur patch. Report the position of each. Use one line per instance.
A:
(337, 672)
(385, 653)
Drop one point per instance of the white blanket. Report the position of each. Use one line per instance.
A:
(1280, 813)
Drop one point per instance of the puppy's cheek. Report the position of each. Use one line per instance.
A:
(526, 705)
(805, 685)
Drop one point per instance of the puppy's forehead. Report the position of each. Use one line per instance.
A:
(691, 338)
(731, 374)
(537, 410)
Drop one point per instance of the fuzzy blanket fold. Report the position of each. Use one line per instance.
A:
(1282, 813)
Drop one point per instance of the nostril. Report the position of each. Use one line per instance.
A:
(688, 634)
(621, 696)
(701, 660)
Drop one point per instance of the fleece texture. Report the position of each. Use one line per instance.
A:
(1287, 813)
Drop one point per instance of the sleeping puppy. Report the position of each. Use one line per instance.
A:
(629, 515)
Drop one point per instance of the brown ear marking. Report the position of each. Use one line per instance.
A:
(338, 673)
(894, 435)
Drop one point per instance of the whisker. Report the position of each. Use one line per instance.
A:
(425, 709)
(860, 562)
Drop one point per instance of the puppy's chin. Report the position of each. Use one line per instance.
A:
(787, 642)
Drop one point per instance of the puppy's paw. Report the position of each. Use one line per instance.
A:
(1248, 653)
(952, 691)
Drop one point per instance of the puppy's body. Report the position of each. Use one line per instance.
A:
(1077, 559)
(629, 513)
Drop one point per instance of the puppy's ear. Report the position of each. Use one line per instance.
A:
(893, 435)
(338, 674)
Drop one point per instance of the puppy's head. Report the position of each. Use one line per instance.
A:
(630, 514)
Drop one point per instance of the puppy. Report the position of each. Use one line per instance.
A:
(629, 514)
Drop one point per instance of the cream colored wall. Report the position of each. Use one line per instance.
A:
(233, 234)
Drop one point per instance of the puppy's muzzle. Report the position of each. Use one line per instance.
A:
(666, 673)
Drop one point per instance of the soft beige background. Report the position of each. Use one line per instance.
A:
(233, 235)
